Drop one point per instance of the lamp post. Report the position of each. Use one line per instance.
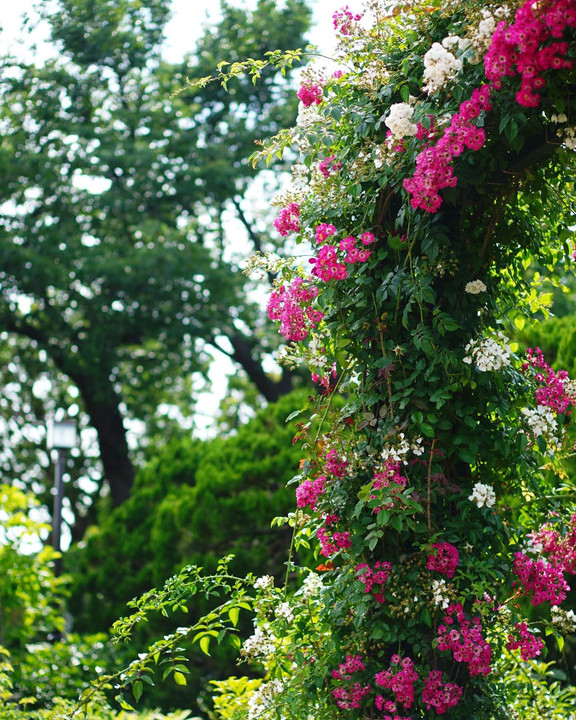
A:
(61, 437)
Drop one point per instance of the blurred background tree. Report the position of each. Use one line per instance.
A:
(122, 214)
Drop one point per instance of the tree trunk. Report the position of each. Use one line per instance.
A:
(102, 405)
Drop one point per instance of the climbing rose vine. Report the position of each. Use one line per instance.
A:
(435, 165)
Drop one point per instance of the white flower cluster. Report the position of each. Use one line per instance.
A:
(482, 35)
(398, 452)
(261, 700)
(561, 118)
(386, 153)
(541, 421)
(284, 611)
(489, 353)
(568, 134)
(534, 548)
(564, 619)
(260, 264)
(483, 495)
(438, 596)
(440, 66)
(315, 353)
(399, 121)
(474, 287)
(569, 137)
(570, 388)
(260, 645)
(311, 586)
(266, 582)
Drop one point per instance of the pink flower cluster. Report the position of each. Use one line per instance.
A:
(561, 549)
(353, 254)
(332, 541)
(349, 695)
(334, 464)
(325, 380)
(324, 231)
(389, 477)
(329, 165)
(443, 558)
(467, 644)
(401, 682)
(342, 20)
(438, 695)
(326, 265)
(388, 706)
(310, 94)
(308, 492)
(540, 579)
(553, 393)
(374, 579)
(519, 48)
(291, 306)
(288, 220)
(530, 646)
(434, 169)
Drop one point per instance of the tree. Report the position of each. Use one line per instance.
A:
(115, 267)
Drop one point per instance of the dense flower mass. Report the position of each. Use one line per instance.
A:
(291, 306)
(400, 678)
(310, 95)
(492, 353)
(464, 639)
(530, 646)
(349, 692)
(288, 220)
(374, 578)
(443, 558)
(440, 695)
(434, 165)
(483, 495)
(556, 390)
(540, 579)
(524, 47)
(440, 65)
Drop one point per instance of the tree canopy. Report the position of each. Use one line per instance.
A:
(115, 262)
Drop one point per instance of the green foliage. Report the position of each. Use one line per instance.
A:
(192, 502)
(230, 696)
(30, 595)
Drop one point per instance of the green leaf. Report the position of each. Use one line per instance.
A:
(137, 689)
(180, 678)
(205, 644)
(234, 614)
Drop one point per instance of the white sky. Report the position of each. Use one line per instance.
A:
(188, 18)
